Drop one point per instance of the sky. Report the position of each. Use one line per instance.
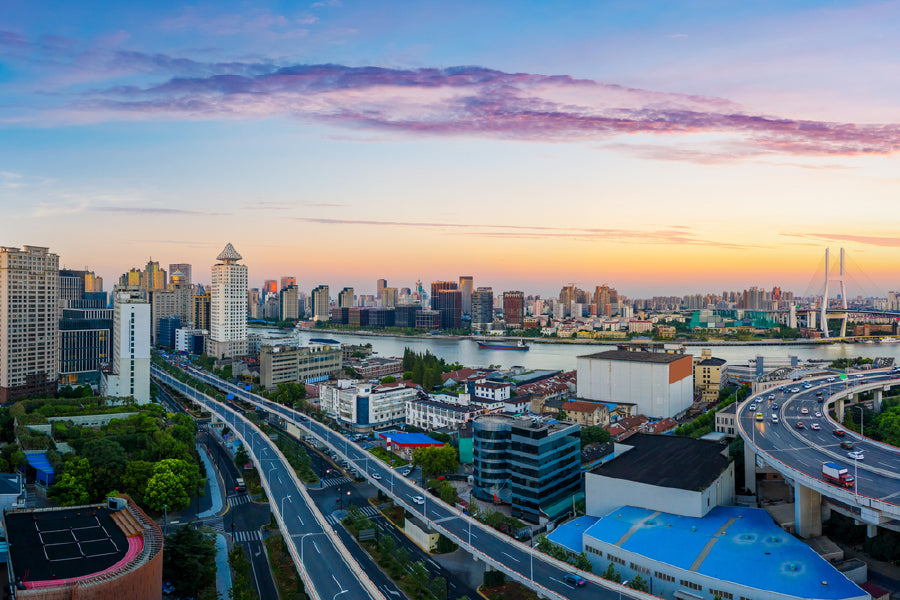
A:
(662, 148)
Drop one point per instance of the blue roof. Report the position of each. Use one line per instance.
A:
(38, 460)
(570, 534)
(410, 439)
(780, 563)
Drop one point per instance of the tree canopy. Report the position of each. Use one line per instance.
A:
(436, 460)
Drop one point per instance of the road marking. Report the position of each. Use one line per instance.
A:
(317, 550)
(301, 520)
(512, 557)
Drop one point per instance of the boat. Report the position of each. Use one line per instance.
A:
(888, 340)
(498, 346)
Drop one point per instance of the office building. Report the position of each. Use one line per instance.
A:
(202, 304)
(85, 328)
(380, 284)
(346, 298)
(530, 462)
(514, 309)
(129, 374)
(290, 303)
(154, 277)
(228, 306)
(29, 322)
(659, 384)
(270, 287)
(288, 281)
(185, 270)
(405, 315)
(311, 364)
(449, 304)
(465, 287)
(482, 308)
(167, 328)
(190, 341)
(365, 406)
(388, 297)
(255, 304)
(428, 319)
(321, 303)
(441, 286)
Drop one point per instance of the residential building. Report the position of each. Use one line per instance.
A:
(639, 326)
(532, 463)
(380, 284)
(346, 298)
(311, 364)
(587, 414)
(288, 281)
(365, 406)
(665, 332)
(190, 340)
(514, 309)
(482, 309)
(255, 304)
(290, 303)
(129, 375)
(517, 405)
(710, 376)
(388, 297)
(270, 287)
(154, 277)
(433, 414)
(492, 391)
(725, 420)
(465, 287)
(184, 269)
(660, 384)
(228, 306)
(375, 367)
(321, 303)
(202, 305)
(29, 322)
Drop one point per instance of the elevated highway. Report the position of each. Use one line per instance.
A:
(518, 561)
(804, 437)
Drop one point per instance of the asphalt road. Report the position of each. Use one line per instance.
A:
(510, 555)
(331, 576)
(805, 449)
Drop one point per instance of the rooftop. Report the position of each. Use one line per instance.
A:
(720, 545)
(583, 406)
(712, 362)
(667, 461)
(409, 439)
(637, 356)
(229, 253)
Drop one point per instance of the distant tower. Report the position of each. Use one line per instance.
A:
(466, 286)
(840, 279)
(228, 306)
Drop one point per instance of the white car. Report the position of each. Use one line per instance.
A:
(856, 455)
(753, 407)
(418, 500)
(815, 427)
(795, 390)
(818, 415)
(771, 396)
(804, 411)
(830, 379)
(376, 476)
(774, 418)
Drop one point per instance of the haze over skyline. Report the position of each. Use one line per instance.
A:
(664, 150)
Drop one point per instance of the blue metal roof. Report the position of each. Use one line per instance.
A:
(410, 439)
(38, 460)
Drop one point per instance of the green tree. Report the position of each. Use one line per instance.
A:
(436, 460)
(611, 574)
(134, 479)
(189, 561)
(173, 483)
(581, 562)
(242, 582)
(594, 434)
(639, 583)
(74, 484)
(241, 456)
(108, 460)
(418, 373)
(389, 379)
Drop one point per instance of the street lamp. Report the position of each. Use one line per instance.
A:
(856, 459)
(282, 504)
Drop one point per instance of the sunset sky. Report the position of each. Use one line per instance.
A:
(661, 149)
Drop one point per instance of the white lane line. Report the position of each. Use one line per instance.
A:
(317, 551)
(512, 557)
(300, 519)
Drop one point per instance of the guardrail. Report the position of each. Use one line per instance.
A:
(220, 410)
(293, 416)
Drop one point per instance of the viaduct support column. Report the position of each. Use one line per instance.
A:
(871, 530)
(876, 404)
(807, 511)
(750, 468)
(839, 410)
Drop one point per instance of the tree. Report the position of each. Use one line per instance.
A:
(561, 415)
(74, 484)
(418, 373)
(189, 561)
(436, 460)
(242, 582)
(241, 456)
(639, 583)
(582, 562)
(108, 460)
(134, 479)
(611, 574)
(594, 434)
(389, 379)
(172, 484)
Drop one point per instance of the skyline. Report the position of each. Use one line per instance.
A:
(662, 150)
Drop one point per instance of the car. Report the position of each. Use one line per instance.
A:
(753, 407)
(406, 472)
(774, 407)
(574, 579)
(847, 445)
(799, 424)
(774, 418)
(839, 432)
(771, 396)
(795, 390)
(807, 386)
(820, 399)
(418, 500)
(856, 455)
(818, 415)
(815, 427)
(781, 389)
(376, 476)
(759, 416)
(830, 379)
(804, 411)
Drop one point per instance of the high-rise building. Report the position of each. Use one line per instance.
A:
(185, 269)
(449, 304)
(254, 303)
(29, 322)
(380, 284)
(270, 286)
(346, 298)
(388, 297)
(129, 376)
(440, 286)
(321, 302)
(290, 303)
(85, 328)
(465, 286)
(514, 309)
(228, 306)
(482, 308)
(288, 281)
(154, 276)
(92, 282)
(202, 304)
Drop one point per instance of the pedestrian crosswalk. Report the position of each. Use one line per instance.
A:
(335, 481)
(238, 499)
(217, 523)
(369, 511)
(248, 536)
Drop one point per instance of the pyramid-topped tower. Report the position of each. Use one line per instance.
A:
(228, 306)
(229, 254)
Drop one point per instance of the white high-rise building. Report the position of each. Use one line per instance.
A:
(130, 374)
(228, 306)
(29, 322)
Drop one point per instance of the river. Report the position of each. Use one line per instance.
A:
(562, 356)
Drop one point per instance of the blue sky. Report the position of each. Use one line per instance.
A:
(661, 148)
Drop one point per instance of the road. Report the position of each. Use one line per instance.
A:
(805, 449)
(517, 560)
(323, 561)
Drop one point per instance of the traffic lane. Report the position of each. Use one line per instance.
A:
(260, 570)
(381, 581)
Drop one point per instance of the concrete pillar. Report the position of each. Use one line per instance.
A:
(749, 468)
(876, 404)
(826, 511)
(839, 410)
(871, 530)
(807, 511)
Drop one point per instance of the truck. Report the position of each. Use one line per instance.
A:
(836, 474)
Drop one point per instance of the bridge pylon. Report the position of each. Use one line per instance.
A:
(838, 279)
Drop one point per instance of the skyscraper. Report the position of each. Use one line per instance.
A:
(380, 284)
(130, 372)
(321, 303)
(270, 287)
(346, 298)
(290, 303)
(29, 322)
(514, 309)
(388, 297)
(465, 286)
(482, 308)
(185, 269)
(154, 276)
(449, 304)
(288, 281)
(439, 286)
(228, 306)
(202, 307)
(85, 328)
